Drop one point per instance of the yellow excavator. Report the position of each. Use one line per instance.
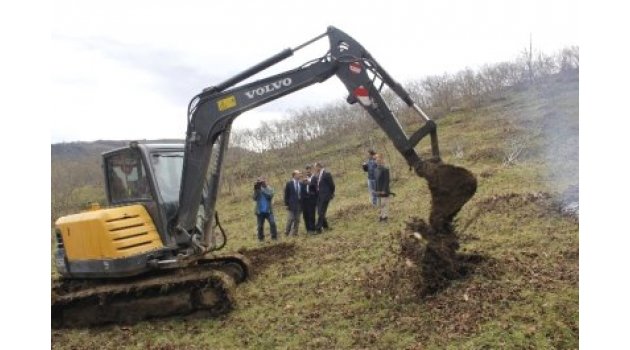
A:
(154, 251)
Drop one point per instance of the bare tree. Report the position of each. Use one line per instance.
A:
(441, 89)
(468, 88)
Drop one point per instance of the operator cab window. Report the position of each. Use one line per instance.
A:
(167, 167)
(127, 178)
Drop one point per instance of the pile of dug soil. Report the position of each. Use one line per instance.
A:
(427, 261)
(434, 247)
(428, 257)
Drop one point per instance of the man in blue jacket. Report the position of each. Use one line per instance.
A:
(263, 195)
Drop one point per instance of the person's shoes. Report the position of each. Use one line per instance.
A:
(328, 228)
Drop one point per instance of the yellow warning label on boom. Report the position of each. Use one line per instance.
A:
(226, 103)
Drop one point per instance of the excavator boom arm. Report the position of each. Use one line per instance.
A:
(212, 112)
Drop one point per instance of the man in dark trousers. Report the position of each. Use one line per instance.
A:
(292, 193)
(369, 166)
(263, 195)
(382, 188)
(325, 193)
(309, 199)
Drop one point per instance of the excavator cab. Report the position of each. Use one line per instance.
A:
(140, 173)
(123, 238)
(149, 174)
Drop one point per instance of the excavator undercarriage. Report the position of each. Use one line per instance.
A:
(205, 287)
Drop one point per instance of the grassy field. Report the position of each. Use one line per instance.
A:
(315, 292)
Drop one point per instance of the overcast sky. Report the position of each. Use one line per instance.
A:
(127, 70)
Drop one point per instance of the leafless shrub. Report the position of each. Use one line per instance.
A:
(513, 149)
(458, 150)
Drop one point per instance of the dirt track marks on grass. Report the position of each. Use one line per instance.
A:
(262, 257)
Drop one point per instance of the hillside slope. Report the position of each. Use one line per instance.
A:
(344, 289)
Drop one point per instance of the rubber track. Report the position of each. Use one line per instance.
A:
(81, 303)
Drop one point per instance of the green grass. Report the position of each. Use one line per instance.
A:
(525, 296)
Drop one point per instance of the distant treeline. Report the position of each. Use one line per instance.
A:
(279, 146)
(438, 94)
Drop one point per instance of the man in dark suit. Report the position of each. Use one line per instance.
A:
(325, 193)
(292, 192)
(309, 199)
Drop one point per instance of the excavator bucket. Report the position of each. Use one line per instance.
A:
(451, 187)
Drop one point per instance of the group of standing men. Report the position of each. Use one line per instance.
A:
(306, 195)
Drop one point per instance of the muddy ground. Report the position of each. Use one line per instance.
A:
(262, 257)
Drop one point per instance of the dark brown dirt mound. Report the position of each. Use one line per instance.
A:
(434, 253)
(426, 263)
(264, 256)
(431, 249)
(427, 253)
